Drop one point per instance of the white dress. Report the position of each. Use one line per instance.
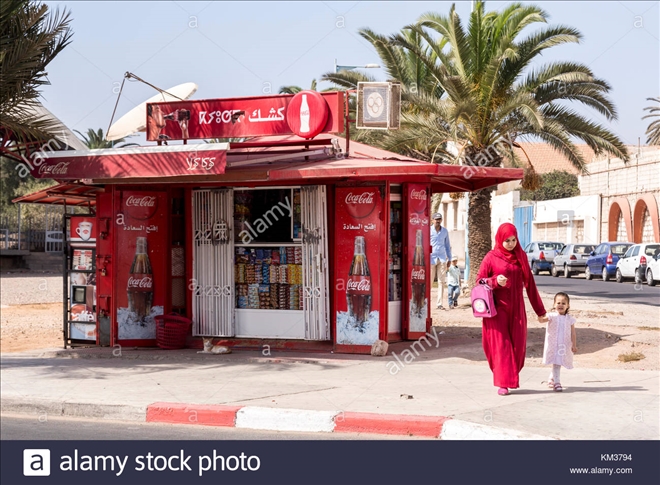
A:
(558, 344)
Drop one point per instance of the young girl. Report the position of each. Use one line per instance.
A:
(560, 340)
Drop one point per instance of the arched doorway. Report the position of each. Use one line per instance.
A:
(619, 221)
(646, 225)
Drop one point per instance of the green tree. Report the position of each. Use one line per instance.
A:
(653, 131)
(296, 89)
(557, 184)
(30, 38)
(497, 90)
(96, 139)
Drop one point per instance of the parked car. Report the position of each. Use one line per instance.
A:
(653, 269)
(633, 263)
(541, 254)
(572, 259)
(603, 259)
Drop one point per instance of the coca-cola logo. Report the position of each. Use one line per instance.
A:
(360, 204)
(418, 199)
(146, 201)
(418, 194)
(361, 285)
(141, 206)
(59, 169)
(414, 220)
(144, 283)
(418, 274)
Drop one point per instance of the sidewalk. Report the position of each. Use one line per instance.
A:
(596, 403)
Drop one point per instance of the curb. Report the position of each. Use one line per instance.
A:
(273, 419)
(301, 420)
(42, 407)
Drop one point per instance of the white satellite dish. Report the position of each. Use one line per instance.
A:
(135, 120)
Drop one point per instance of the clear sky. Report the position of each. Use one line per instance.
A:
(248, 48)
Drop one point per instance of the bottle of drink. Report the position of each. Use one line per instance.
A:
(140, 281)
(304, 115)
(418, 276)
(358, 287)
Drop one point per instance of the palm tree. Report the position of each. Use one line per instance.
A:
(653, 131)
(30, 38)
(96, 139)
(296, 89)
(493, 97)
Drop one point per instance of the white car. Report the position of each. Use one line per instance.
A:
(633, 263)
(653, 270)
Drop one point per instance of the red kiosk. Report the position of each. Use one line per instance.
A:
(293, 238)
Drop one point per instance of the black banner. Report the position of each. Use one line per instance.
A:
(331, 462)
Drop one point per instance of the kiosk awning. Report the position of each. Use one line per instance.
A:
(133, 162)
(61, 194)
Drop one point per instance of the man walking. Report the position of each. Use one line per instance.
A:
(440, 255)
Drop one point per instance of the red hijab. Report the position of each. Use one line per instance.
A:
(517, 256)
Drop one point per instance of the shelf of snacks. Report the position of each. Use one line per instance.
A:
(394, 286)
(268, 278)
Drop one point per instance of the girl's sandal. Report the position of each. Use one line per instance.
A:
(551, 384)
(558, 388)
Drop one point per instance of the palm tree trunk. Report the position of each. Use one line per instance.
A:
(479, 237)
(435, 203)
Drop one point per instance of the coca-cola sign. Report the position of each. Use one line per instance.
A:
(60, 168)
(417, 198)
(359, 285)
(418, 274)
(360, 204)
(141, 206)
(415, 220)
(140, 282)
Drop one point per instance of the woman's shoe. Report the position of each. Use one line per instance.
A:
(503, 391)
(558, 387)
(551, 383)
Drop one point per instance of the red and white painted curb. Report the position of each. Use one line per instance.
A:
(301, 420)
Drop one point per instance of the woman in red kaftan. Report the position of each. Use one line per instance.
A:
(504, 337)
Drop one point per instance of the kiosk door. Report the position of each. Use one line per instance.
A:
(315, 263)
(213, 267)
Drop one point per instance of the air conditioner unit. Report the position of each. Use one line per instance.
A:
(378, 106)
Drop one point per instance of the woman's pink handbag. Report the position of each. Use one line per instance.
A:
(483, 303)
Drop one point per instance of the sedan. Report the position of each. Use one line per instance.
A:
(604, 258)
(540, 255)
(572, 259)
(633, 263)
(653, 270)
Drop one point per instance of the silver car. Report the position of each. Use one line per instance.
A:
(572, 259)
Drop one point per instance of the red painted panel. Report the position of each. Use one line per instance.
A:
(104, 257)
(409, 425)
(236, 117)
(141, 273)
(417, 239)
(201, 414)
(358, 249)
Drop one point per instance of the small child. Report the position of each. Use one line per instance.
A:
(560, 340)
(453, 282)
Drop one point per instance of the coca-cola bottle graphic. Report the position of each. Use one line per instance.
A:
(140, 281)
(418, 275)
(304, 115)
(358, 288)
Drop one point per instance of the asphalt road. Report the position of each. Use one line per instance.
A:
(627, 291)
(19, 427)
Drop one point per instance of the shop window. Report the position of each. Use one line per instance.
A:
(177, 253)
(268, 270)
(267, 216)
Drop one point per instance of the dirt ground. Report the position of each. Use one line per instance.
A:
(605, 330)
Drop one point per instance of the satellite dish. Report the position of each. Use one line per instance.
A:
(135, 120)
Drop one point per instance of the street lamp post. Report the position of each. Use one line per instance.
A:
(349, 68)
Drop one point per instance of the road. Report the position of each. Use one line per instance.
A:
(597, 288)
(19, 427)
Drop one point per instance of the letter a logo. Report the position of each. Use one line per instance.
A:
(36, 463)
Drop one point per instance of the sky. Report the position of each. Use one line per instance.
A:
(232, 49)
